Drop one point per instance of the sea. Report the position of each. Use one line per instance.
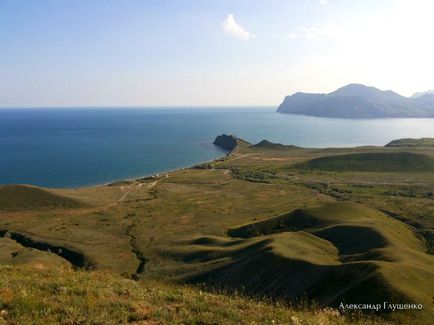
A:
(74, 147)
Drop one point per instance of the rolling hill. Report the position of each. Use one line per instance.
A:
(333, 253)
(25, 197)
(373, 162)
(423, 142)
(265, 144)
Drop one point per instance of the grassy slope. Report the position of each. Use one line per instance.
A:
(423, 142)
(373, 162)
(126, 222)
(315, 245)
(24, 197)
(12, 253)
(31, 295)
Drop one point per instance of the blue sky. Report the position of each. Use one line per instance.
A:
(208, 52)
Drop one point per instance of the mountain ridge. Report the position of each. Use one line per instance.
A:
(422, 93)
(358, 101)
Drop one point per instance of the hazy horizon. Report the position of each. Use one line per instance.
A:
(271, 107)
(208, 54)
(193, 106)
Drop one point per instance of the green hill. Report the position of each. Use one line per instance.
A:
(24, 197)
(265, 144)
(333, 253)
(423, 142)
(373, 162)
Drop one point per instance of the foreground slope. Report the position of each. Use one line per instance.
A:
(30, 295)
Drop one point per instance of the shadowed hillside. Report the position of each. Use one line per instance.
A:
(333, 253)
(373, 162)
(24, 197)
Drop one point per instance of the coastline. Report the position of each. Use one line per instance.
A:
(132, 179)
(129, 179)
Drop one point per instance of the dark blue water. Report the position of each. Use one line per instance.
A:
(77, 147)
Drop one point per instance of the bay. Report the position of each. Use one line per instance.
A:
(71, 147)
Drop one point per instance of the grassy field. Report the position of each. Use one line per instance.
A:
(262, 221)
(39, 295)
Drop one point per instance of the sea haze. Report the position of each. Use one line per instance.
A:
(79, 147)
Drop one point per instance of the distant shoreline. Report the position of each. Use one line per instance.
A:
(130, 179)
(164, 172)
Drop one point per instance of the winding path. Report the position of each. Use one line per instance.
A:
(140, 184)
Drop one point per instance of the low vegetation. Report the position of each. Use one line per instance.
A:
(39, 295)
(255, 176)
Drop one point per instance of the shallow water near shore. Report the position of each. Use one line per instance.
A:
(79, 147)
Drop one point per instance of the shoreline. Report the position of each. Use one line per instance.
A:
(161, 173)
(132, 179)
(168, 172)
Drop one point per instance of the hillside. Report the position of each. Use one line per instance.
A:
(419, 94)
(317, 245)
(12, 253)
(373, 162)
(24, 197)
(358, 101)
(423, 142)
(265, 144)
(38, 295)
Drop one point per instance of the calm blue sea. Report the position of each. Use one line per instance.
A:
(77, 147)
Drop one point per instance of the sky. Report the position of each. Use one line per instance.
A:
(56, 53)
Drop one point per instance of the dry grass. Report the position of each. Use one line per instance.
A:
(57, 296)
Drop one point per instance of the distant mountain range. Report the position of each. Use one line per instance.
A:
(359, 101)
(416, 95)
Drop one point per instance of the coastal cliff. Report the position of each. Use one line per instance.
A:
(227, 142)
